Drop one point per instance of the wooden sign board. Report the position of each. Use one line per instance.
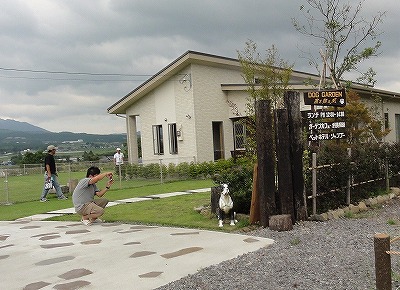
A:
(334, 98)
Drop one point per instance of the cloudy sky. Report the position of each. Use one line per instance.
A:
(64, 62)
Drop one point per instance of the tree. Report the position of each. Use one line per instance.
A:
(270, 124)
(361, 124)
(267, 79)
(90, 156)
(33, 158)
(346, 37)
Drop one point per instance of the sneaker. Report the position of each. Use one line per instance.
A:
(62, 197)
(98, 221)
(43, 199)
(86, 222)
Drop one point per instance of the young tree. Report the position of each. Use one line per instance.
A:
(361, 124)
(346, 37)
(267, 79)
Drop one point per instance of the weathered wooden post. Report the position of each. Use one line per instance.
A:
(72, 183)
(292, 103)
(266, 160)
(349, 181)
(383, 266)
(215, 194)
(314, 183)
(255, 200)
(285, 181)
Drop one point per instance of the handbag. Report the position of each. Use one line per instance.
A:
(48, 184)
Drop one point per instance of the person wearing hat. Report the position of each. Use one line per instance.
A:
(119, 161)
(51, 174)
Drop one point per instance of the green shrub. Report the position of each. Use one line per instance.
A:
(367, 163)
(239, 176)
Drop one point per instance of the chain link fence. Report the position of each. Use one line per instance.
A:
(17, 182)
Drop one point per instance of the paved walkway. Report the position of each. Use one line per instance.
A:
(37, 254)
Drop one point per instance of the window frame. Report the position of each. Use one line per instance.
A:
(242, 135)
(158, 140)
(173, 138)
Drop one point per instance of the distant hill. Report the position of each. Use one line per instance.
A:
(12, 125)
(16, 136)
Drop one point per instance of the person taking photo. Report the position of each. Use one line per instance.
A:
(83, 197)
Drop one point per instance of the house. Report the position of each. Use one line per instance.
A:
(189, 111)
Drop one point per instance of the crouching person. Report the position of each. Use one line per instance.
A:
(83, 197)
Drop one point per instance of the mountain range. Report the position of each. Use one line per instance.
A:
(16, 136)
(13, 125)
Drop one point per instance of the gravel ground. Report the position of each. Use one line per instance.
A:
(337, 254)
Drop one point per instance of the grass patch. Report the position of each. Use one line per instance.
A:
(32, 205)
(175, 211)
(349, 215)
(29, 187)
(19, 210)
(295, 241)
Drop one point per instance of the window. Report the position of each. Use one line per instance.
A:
(397, 124)
(173, 138)
(239, 134)
(386, 120)
(158, 142)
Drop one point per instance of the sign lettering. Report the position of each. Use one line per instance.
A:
(335, 98)
(312, 115)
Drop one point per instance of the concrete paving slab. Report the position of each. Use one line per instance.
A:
(68, 255)
(112, 203)
(199, 190)
(133, 199)
(70, 210)
(169, 194)
(39, 217)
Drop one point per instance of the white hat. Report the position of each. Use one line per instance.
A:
(51, 147)
(118, 149)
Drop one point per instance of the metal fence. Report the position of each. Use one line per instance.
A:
(67, 171)
(29, 169)
(9, 175)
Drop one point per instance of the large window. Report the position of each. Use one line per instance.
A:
(239, 134)
(158, 142)
(173, 138)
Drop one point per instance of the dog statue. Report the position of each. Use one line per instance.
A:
(225, 206)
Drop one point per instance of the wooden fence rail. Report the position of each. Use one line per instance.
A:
(350, 183)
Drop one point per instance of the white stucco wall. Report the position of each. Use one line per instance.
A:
(171, 102)
(211, 106)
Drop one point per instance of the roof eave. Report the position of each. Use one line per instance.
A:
(174, 67)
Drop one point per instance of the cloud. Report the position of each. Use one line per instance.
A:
(121, 43)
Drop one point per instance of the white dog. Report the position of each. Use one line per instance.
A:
(225, 206)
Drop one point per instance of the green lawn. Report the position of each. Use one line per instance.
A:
(29, 187)
(172, 211)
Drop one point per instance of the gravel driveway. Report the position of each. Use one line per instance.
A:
(336, 254)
